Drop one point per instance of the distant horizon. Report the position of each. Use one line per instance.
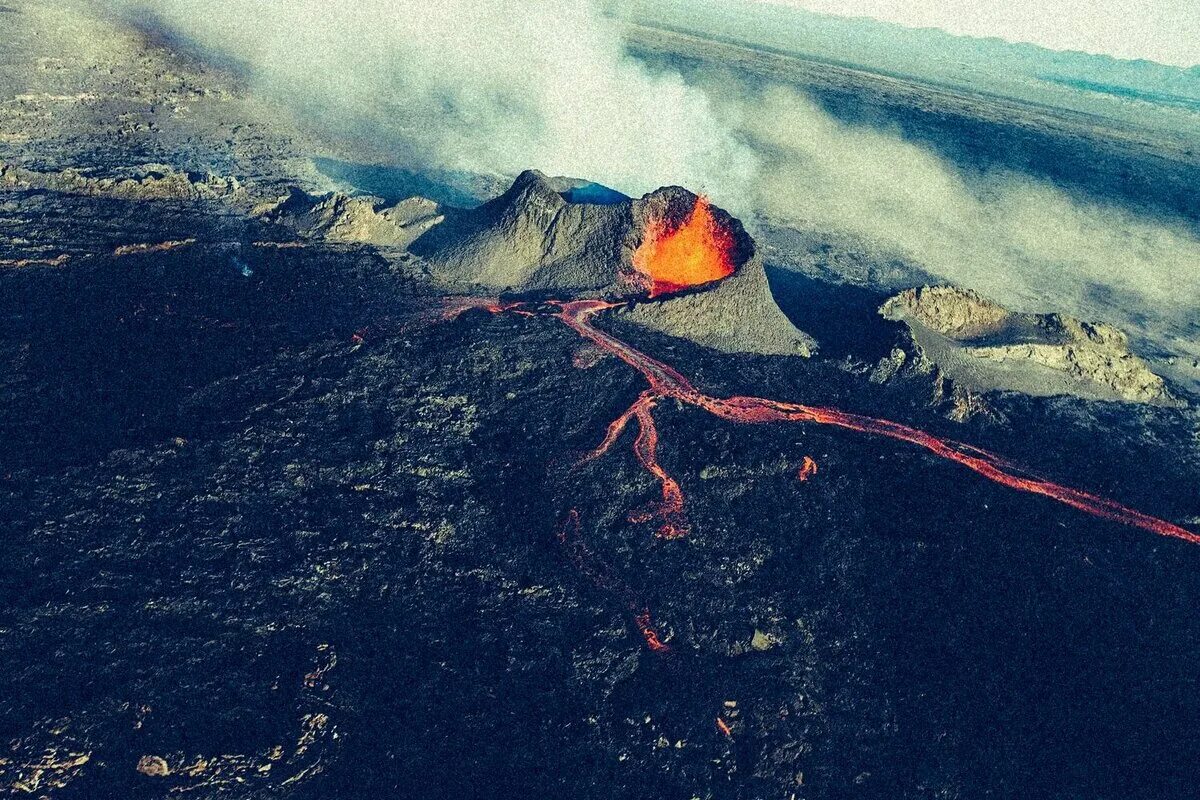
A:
(1162, 31)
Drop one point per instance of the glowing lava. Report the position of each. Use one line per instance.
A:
(698, 251)
(666, 382)
(669, 512)
(807, 469)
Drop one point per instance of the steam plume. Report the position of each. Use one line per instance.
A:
(1016, 239)
(486, 86)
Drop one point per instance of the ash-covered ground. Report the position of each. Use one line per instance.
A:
(277, 526)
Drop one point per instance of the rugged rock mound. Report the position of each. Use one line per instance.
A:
(557, 234)
(739, 315)
(532, 237)
(983, 346)
(339, 218)
(147, 182)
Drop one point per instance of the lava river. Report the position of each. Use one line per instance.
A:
(667, 383)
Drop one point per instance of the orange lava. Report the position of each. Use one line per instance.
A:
(807, 469)
(698, 251)
(666, 382)
(642, 620)
(669, 512)
(724, 728)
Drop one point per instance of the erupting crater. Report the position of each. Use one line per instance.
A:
(677, 254)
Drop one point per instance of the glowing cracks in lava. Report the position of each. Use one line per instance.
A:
(642, 620)
(669, 512)
(698, 251)
(595, 570)
(451, 308)
(807, 469)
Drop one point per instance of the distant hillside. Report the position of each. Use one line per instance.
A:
(1139, 92)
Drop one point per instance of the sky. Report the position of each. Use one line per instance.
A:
(1166, 31)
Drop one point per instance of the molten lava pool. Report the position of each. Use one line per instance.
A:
(698, 251)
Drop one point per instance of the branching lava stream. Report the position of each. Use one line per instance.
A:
(667, 383)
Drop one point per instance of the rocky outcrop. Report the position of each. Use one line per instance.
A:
(949, 310)
(983, 346)
(147, 182)
(339, 218)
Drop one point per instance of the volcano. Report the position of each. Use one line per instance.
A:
(689, 268)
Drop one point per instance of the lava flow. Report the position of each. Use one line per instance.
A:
(598, 572)
(666, 382)
(669, 512)
(807, 469)
(696, 252)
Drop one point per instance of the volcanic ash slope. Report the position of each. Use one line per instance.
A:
(538, 237)
(738, 315)
(532, 238)
(981, 345)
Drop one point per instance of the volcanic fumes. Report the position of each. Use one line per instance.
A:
(676, 255)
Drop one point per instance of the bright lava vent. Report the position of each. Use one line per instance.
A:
(696, 252)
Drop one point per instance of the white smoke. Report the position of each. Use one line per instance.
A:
(1018, 240)
(486, 86)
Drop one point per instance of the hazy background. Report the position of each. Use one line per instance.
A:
(495, 86)
(1166, 31)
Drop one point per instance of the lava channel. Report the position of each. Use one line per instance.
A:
(665, 382)
(668, 513)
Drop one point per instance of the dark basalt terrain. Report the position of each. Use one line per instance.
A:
(279, 525)
(287, 532)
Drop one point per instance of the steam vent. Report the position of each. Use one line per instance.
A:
(690, 267)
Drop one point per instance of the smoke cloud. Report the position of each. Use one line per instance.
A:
(485, 86)
(1012, 238)
(496, 86)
